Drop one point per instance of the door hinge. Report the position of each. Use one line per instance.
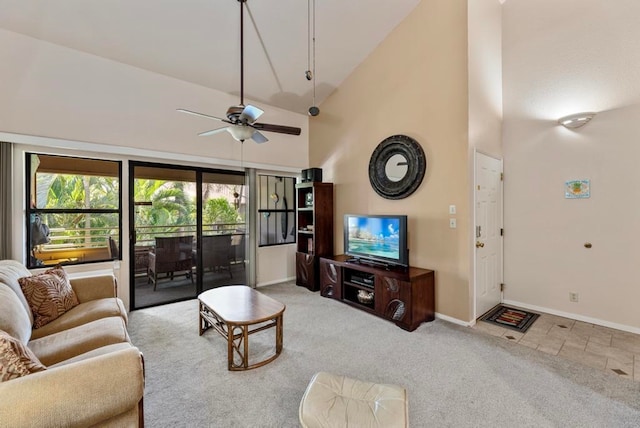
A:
(501, 232)
(501, 286)
(502, 176)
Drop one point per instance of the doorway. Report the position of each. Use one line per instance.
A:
(488, 232)
(187, 231)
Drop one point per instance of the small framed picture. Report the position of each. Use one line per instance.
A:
(577, 189)
(308, 199)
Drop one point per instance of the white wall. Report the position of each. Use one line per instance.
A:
(485, 102)
(276, 264)
(63, 101)
(52, 91)
(485, 76)
(561, 58)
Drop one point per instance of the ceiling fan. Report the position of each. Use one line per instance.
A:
(241, 119)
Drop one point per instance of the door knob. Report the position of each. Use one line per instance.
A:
(479, 244)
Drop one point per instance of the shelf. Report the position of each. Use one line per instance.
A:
(276, 211)
(314, 204)
(368, 308)
(359, 286)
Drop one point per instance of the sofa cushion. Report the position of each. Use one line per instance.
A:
(66, 344)
(94, 353)
(49, 295)
(13, 316)
(82, 314)
(16, 360)
(10, 271)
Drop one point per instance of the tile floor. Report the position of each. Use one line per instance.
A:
(604, 348)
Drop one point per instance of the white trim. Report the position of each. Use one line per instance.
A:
(276, 281)
(135, 152)
(577, 317)
(455, 320)
(473, 285)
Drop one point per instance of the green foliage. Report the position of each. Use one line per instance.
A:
(170, 204)
(165, 206)
(220, 210)
(67, 191)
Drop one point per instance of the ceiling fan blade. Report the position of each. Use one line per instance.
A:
(212, 132)
(195, 113)
(277, 128)
(250, 114)
(259, 138)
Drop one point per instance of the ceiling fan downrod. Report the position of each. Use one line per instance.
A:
(241, 119)
(242, 2)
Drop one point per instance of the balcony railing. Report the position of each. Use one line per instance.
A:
(145, 235)
(92, 244)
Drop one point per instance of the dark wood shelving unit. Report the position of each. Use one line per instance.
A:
(315, 230)
(403, 296)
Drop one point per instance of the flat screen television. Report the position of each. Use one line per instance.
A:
(377, 238)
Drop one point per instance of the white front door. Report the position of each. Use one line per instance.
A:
(488, 236)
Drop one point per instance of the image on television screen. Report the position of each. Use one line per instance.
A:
(378, 237)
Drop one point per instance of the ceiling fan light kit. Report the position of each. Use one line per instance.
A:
(241, 119)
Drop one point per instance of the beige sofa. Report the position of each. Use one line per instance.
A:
(94, 376)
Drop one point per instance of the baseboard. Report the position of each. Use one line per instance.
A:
(276, 281)
(577, 317)
(455, 320)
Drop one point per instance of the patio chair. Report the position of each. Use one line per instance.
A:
(114, 251)
(237, 253)
(215, 253)
(171, 255)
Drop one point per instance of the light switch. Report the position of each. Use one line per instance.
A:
(452, 209)
(452, 223)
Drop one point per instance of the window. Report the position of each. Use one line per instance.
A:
(276, 208)
(73, 210)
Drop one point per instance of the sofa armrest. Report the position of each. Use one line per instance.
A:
(78, 394)
(94, 287)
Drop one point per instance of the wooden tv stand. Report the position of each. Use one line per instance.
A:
(403, 296)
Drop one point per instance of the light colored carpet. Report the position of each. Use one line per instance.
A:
(455, 376)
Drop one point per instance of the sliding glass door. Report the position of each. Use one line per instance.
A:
(187, 231)
(223, 239)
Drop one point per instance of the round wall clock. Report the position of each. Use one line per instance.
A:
(397, 167)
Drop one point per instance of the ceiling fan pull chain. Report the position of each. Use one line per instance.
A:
(314, 52)
(308, 73)
(313, 110)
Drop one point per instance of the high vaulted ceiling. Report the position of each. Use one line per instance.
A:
(199, 40)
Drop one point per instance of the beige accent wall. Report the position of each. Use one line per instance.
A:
(414, 83)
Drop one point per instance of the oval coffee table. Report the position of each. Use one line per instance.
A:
(232, 311)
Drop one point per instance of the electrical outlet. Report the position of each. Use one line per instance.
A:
(452, 223)
(573, 297)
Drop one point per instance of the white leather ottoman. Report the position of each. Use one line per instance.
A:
(338, 401)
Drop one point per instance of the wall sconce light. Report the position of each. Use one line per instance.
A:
(577, 120)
